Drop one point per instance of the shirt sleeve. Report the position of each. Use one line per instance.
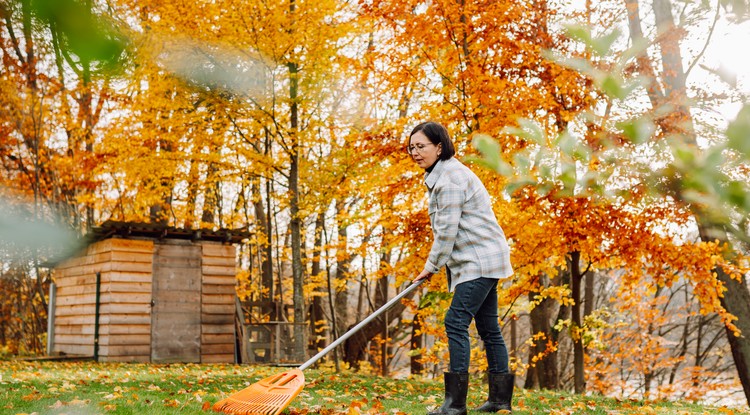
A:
(449, 204)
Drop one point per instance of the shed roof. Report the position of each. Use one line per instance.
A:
(110, 229)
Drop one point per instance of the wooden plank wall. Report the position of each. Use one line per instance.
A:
(76, 301)
(217, 303)
(125, 298)
(126, 267)
(125, 323)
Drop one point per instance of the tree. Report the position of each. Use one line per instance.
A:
(668, 88)
(580, 168)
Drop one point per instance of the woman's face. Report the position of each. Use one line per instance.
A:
(423, 151)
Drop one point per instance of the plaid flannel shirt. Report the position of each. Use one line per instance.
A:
(467, 237)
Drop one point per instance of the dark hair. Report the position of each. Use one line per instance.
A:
(437, 134)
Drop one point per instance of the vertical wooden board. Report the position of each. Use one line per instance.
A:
(176, 335)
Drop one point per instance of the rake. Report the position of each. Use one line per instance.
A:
(273, 394)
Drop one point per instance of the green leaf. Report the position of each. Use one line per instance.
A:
(568, 177)
(714, 159)
(21, 233)
(544, 169)
(513, 186)
(491, 155)
(529, 130)
(567, 143)
(738, 132)
(544, 188)
(737, 195)
(580, 33)
(613, 86)
(84, 33)
(579, 64)
(599, 45)
(639, 130)
(638, 47)
(684, 157)
(522, 163)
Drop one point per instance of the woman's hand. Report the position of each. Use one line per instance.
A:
(422, 275)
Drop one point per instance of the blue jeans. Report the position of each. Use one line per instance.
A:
(476, 299)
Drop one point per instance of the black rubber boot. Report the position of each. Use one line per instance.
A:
(501, 393)
(456, 387)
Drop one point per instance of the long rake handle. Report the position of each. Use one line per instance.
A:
(363, 323)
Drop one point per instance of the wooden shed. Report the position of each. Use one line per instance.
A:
(147, 293)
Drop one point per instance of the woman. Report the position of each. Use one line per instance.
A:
(472, 247)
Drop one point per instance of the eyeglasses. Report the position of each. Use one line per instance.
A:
(417, 148)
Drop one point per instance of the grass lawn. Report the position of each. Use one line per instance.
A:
(87, 388)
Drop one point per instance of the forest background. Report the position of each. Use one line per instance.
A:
(600, 129)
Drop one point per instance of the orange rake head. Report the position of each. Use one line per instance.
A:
(266, 397)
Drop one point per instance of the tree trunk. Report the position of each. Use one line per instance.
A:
(343, 264)
(381, 297)
(736, 300)
(210, 197)
(417, 342)
(356, 350)
(296, 222)
(266, 261)
(578, 356)
(318, 324)
(355, 347)
(546, 374)
(588, 295)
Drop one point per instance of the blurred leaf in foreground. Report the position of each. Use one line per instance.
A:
(21, 234)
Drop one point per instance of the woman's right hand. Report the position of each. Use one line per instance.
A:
(422, 275)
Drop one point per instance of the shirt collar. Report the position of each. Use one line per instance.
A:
(431, 178)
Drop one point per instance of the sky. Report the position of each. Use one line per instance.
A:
(729, 51)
